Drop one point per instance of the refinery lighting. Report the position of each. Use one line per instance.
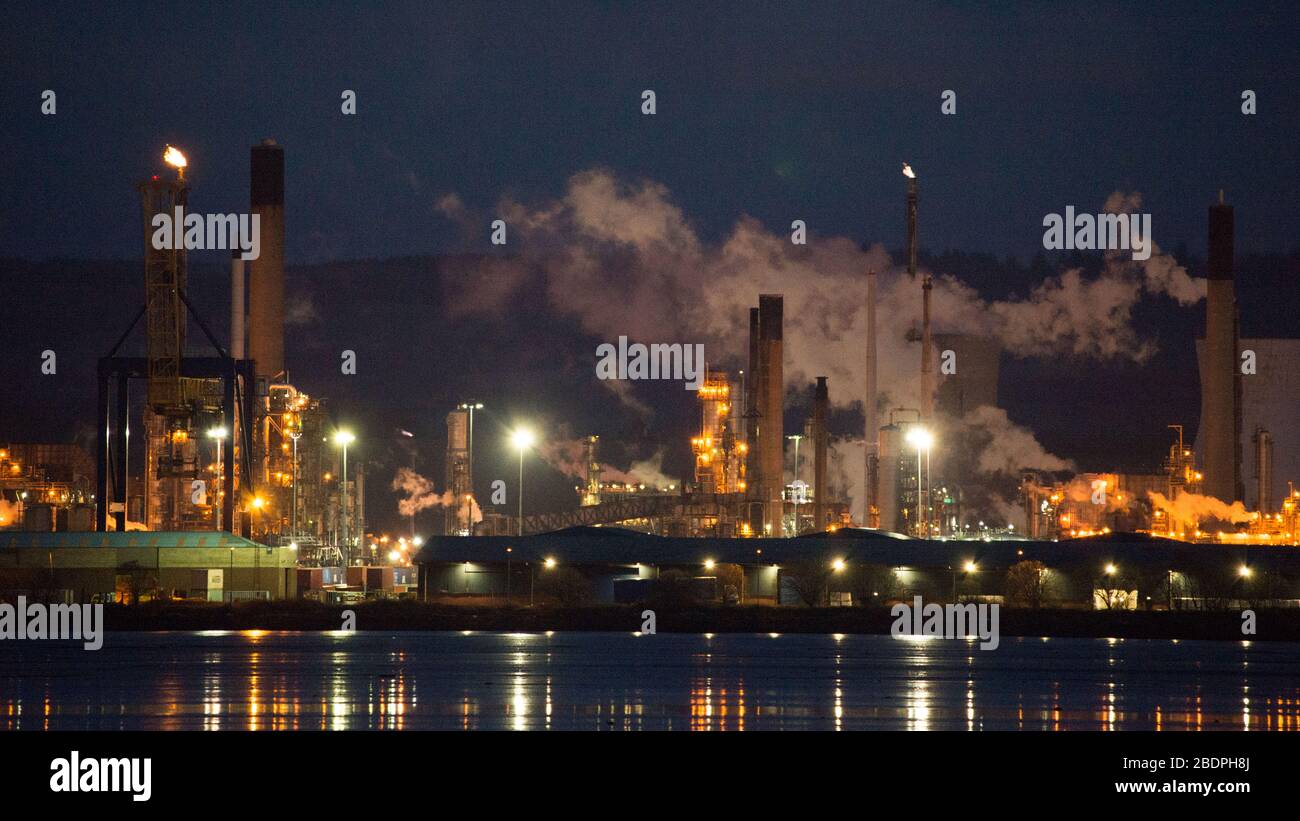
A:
(920, 438)
(1244, 572)
(343, 438)
(837, 565)
(219, 434)
(709, 564)
(522, 439)
(550, 561)
(908, 172)
(970, 567)
(1110, 569)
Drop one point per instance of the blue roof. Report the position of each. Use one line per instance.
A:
(17, 539)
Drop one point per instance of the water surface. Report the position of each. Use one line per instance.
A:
(618, 681)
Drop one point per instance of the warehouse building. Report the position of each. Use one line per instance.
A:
(108, 567)
(856, 566)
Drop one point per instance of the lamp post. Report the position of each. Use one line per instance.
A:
(345, 438)
(522, 439)
(295, 433)
(796, 437)
(219, 434)
(922, 439)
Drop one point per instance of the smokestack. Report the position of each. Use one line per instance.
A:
(927, 377)
(1263, 441)
(821, 407)
(266, 273)
(772, 408)
(753, 422)
(872, 420)
(236, 304)
(1220, 393)
(457, 518)
(927, 374)
(591, 495)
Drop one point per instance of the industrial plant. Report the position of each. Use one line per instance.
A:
(231, 444)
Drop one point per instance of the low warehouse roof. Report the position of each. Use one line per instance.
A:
(617, 546)
(40, 540)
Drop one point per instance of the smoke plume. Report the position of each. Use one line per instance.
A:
(1193, 508)
(420, 495)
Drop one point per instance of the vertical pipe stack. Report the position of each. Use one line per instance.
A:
(266, 273)
(821, 408)
(870, 514)
(1263, 441)
(236, 304)
(753, 426)
(1220, 403)
(770, 327)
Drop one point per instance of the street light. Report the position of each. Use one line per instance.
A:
(469, 443)
(796, 437)
(219, 433)
(922, 439)
(522, 439)
(345, 438)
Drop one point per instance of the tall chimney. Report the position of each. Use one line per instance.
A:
(266, 273)
(1263, 441)
(821, 407)
(927, 377)
(1220, 409)
(772, 408)
(927, 366)
(237, 308)
(754, 421)
(870, 512)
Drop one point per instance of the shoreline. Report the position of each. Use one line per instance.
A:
(1271, 625)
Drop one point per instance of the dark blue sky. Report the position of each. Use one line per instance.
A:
(779, 110)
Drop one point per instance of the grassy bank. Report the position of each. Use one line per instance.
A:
(1271, 625)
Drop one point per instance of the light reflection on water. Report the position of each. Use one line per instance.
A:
(255, 680)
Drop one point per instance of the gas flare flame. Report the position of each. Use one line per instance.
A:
(908, 172)
(173, 157)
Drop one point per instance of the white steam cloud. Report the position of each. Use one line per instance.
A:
(420, 495)
(623, 259)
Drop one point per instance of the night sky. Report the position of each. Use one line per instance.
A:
(775, 111)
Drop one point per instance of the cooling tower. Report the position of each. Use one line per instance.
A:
(975, 381)
(1219, 438)
(266, 273)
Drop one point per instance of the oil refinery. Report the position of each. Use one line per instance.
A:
(233, 443)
